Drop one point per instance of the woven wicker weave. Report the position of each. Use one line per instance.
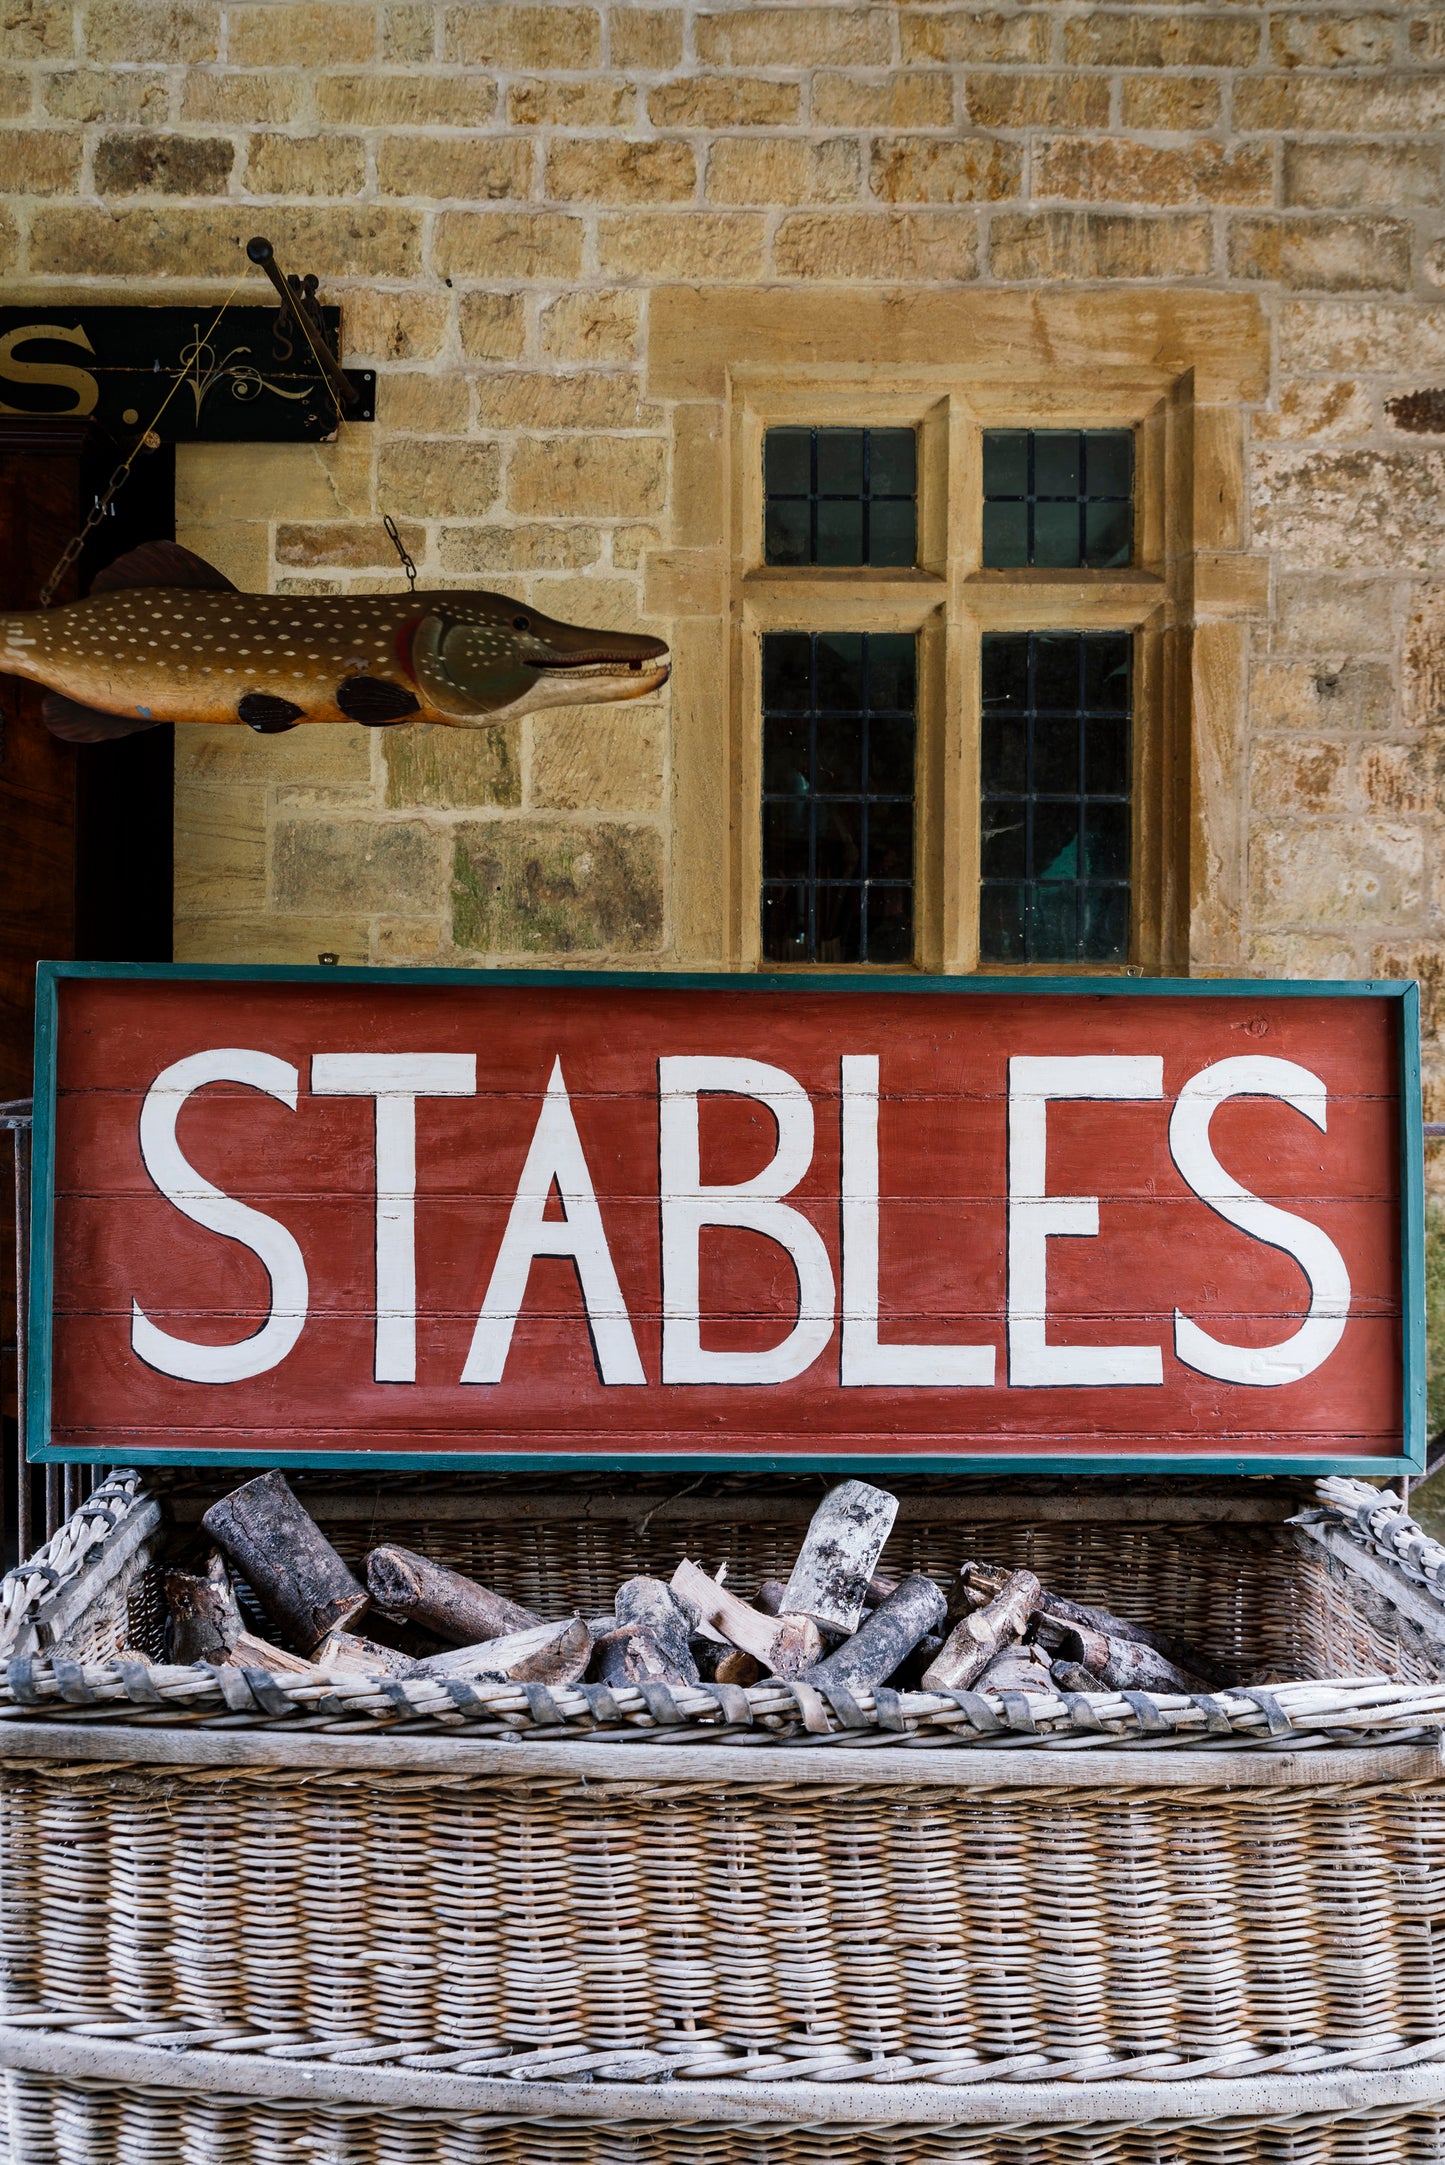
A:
(646, 1913)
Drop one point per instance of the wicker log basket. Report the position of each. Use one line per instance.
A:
(246, 1916)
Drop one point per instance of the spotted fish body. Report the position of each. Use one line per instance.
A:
(187, 647)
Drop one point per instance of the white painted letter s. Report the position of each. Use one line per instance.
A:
(1316, 1254)
(211, 1207)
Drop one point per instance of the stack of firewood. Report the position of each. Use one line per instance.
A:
(836, 1623)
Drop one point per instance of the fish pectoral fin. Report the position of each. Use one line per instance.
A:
(161, 563)
(376, 702)
(68, 719)
(267, 713)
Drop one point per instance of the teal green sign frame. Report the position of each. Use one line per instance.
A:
(1403, 995)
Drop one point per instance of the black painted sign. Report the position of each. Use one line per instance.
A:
(248, 379)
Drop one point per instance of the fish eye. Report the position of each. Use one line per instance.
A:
(521, 623)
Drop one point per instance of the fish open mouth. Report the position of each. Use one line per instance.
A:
(602, 665)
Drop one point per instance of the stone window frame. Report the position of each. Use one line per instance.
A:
(1179, 369)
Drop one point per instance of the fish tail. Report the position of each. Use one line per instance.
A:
(19, 644)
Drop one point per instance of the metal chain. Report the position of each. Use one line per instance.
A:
(401, 549)
(98, 511)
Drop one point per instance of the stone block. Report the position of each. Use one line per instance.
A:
(544, 400)
(39, 30)
(597, 759)
(9, 242)
(724, 101)
(1398, 778)
(220, 850)
(1099, 244)
(1290, 775)
(1036, 101)
(969, 169)
(919, 98)
(698, 478)
(219, 483)
(1173, 104)
(1425, 961)
(1335, 872)
(978, 37)
(783, 169)
(465, 168)
(1319, 955)
(664, 245)
(1178, 38)
(1391, 176)
(1301, 40)
(367, 864)
(493, 326)
(631, 544)
(240, 549)
(794, 37)
(1423, 670)
(16, 93)
(46, 161)
(648, 40)
(514, 550)
(1333, 615)
(419, 402)
(453, 768)
(408, 34)
(685, 582)
(593, 326)
(344, 544)
(261, 938)
(489, 245)
(408, 100)
(1332, 255)
(220, 97)
(588, 170)
(1339, 412)
(535, 887)
(1427, 38)
(290, 165)
(378, 326)
(607, 101)
(588, 477)
(169, 31)
(889, 247)
(1339, 104)
(516, 38)
(319, 756)
(1417, 413)
(599, 602)
(170, 241)
(1348, 510)
(430, 478)
(1345, 335)
(301, 34)
(1111, 170)
(1328, 695)
(93, 95)
(411, 940)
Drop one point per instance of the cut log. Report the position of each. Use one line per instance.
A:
(978, 1583)
(1021, 1667)
(205, 1621)
(249, 1652)
(733, 1666)
(634, 1654)
(413, 1589)
(286, 1560)
(840, 1553)
(879, 1588)
(650, 1605)
(784, 1645)
(1125, 1665)
(547, 1654)
(769, 1597)
(983, 1633)
(870, 1657)
(345, 1653)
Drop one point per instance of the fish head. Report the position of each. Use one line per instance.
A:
(483, 655)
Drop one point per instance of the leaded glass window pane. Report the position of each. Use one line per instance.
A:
(840, 496)
(1062, 498)
(1057, 812)
(839, 722)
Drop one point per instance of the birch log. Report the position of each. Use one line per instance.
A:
(649, 1605)
(840, 1553)
(983, 1633)
(286, 1560)
(784, 1645)
(870, 1657)
(1125, 1664)
(347, 1654)
(1018, 1668)
(547, 1654)
(250, 1652)
(414, 1590)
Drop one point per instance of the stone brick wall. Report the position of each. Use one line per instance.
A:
(492, 191)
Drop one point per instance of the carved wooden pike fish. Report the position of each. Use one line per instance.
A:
(163, 637)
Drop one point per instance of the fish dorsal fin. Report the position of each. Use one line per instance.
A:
(160, 563)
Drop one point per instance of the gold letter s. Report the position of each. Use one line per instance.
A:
(78, 380)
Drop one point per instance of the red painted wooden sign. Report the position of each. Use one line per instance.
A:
(431, 1218)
